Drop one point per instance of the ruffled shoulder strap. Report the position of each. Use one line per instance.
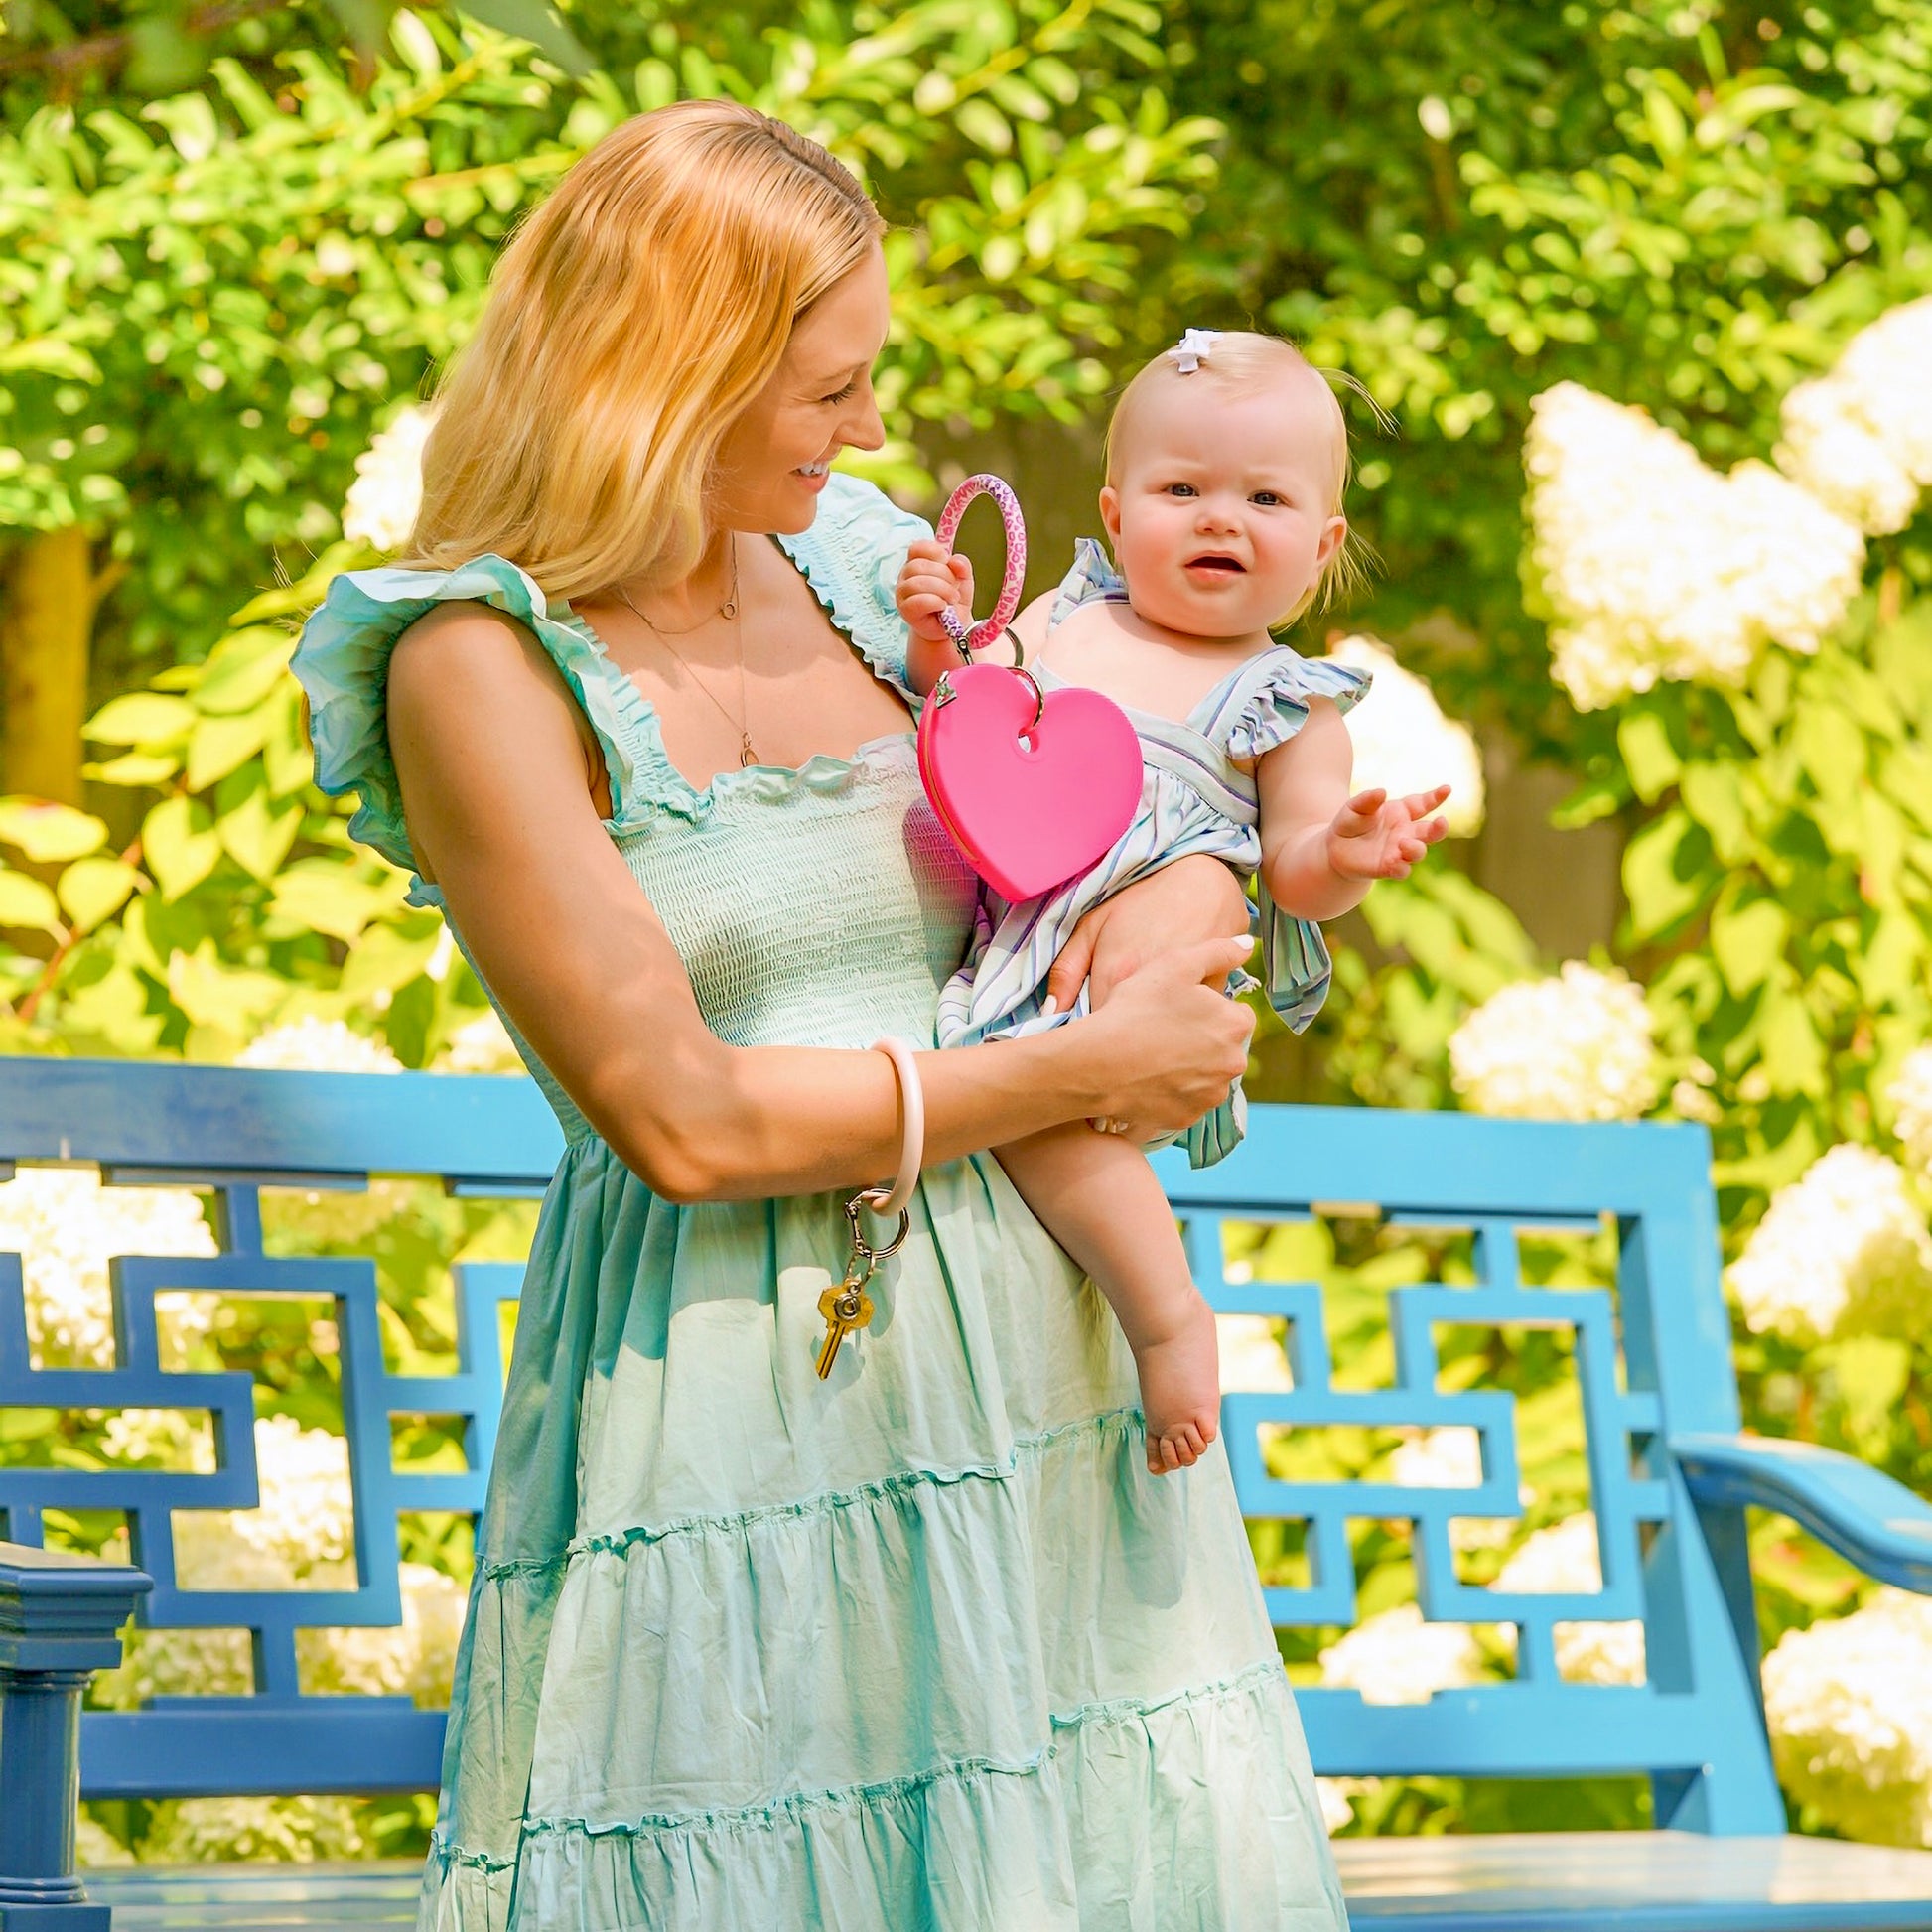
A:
(343, 663)
(1092, 579)
(850, 556)
(1266, 702)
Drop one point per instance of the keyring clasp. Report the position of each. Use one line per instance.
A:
(861, 1247)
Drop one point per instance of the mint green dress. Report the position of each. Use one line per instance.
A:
(921, 1648)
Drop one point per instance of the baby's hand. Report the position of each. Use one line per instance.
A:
(932, 580)
(1375, 836)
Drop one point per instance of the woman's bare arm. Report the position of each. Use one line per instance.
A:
(497, 786)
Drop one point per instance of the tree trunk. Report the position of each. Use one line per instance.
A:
(48, 594)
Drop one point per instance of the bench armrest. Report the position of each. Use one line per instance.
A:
(1851, 1507)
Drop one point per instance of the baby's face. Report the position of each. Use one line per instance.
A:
(1223, 513)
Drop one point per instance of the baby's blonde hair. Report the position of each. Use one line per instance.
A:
(631, 321)
(1245, 359)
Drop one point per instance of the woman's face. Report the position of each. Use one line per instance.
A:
(773, 459)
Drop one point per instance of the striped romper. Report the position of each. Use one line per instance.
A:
(1194, 798)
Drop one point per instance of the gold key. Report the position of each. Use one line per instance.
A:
(846, 1308)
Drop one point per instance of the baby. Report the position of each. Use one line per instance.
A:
(1226, 460)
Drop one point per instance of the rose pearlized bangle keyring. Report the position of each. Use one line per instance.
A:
(885, 1201)
(982, 635)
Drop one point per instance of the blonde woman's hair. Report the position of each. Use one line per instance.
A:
(632, 319)
(1245, 360)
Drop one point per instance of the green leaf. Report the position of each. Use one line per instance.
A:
(1893, 961)
(218, 745)
(242, 670)
(214, 995)
(325, 896)
(179, 846)
(1663, 879)
(25, 901)
(134, 768)
(140, 718)
(48, 833)
(1647, 753)
(1747, 941)
(1714, 794)
(257, 835)
(1831, 748)
(93, 890)
(1595, 798)
(1793, 1055)
(530, 20)
(384, 960)
(983, 124)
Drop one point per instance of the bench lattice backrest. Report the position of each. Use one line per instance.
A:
(1651, 1358)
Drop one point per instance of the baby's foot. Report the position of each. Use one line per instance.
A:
(1181, 1390)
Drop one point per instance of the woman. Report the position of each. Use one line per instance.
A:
(920, 1645)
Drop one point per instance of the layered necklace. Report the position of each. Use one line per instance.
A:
(728, 610)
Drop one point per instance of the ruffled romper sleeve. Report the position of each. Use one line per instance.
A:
(343, 665)
(1266, 708)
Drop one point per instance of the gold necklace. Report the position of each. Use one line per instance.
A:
(746, 756)
(728, 608)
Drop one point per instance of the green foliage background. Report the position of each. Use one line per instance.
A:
(230, 250)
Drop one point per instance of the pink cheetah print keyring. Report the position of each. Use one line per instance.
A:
(979, 636)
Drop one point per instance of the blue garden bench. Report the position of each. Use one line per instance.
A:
(1670, 1479)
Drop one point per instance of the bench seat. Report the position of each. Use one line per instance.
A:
(1584, 1881)
(1671, 1478)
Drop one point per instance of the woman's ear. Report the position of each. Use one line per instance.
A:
(1110, 517)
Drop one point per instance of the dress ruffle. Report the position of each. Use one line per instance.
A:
(1276, 707)
(850, 556)
(343, 663)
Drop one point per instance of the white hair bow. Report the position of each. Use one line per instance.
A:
(1193, 348)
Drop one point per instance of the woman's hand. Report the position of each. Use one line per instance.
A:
(1171, 1042)
(933, 580)
(1192, 899)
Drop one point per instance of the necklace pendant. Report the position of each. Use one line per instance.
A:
(728, 608)
(745, 756)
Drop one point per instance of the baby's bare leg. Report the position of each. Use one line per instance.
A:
(1097, 1197)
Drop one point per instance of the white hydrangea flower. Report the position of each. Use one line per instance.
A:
(306, 1516)
(1438, 1459)
(1397, 1658)
(1576, 1047)
(313, 1045)
(416, 1660)
(1253, 1360)
(1843, 1250)
(382, 501)
(480, 1046)
(1336, 1811)
(64, 1225)
(96, 1847)
(1563, 1561)
(1404, 742)
(301, 1536)
(1657, 566)
(1849, 1704)
(1911, 1096)
(199, 1831)
(1859, 437)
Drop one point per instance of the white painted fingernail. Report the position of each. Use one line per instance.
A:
(1050, 1004)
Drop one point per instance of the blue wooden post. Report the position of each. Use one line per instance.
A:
(60, 1622)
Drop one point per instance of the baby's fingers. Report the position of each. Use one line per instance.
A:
(1359, 815)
